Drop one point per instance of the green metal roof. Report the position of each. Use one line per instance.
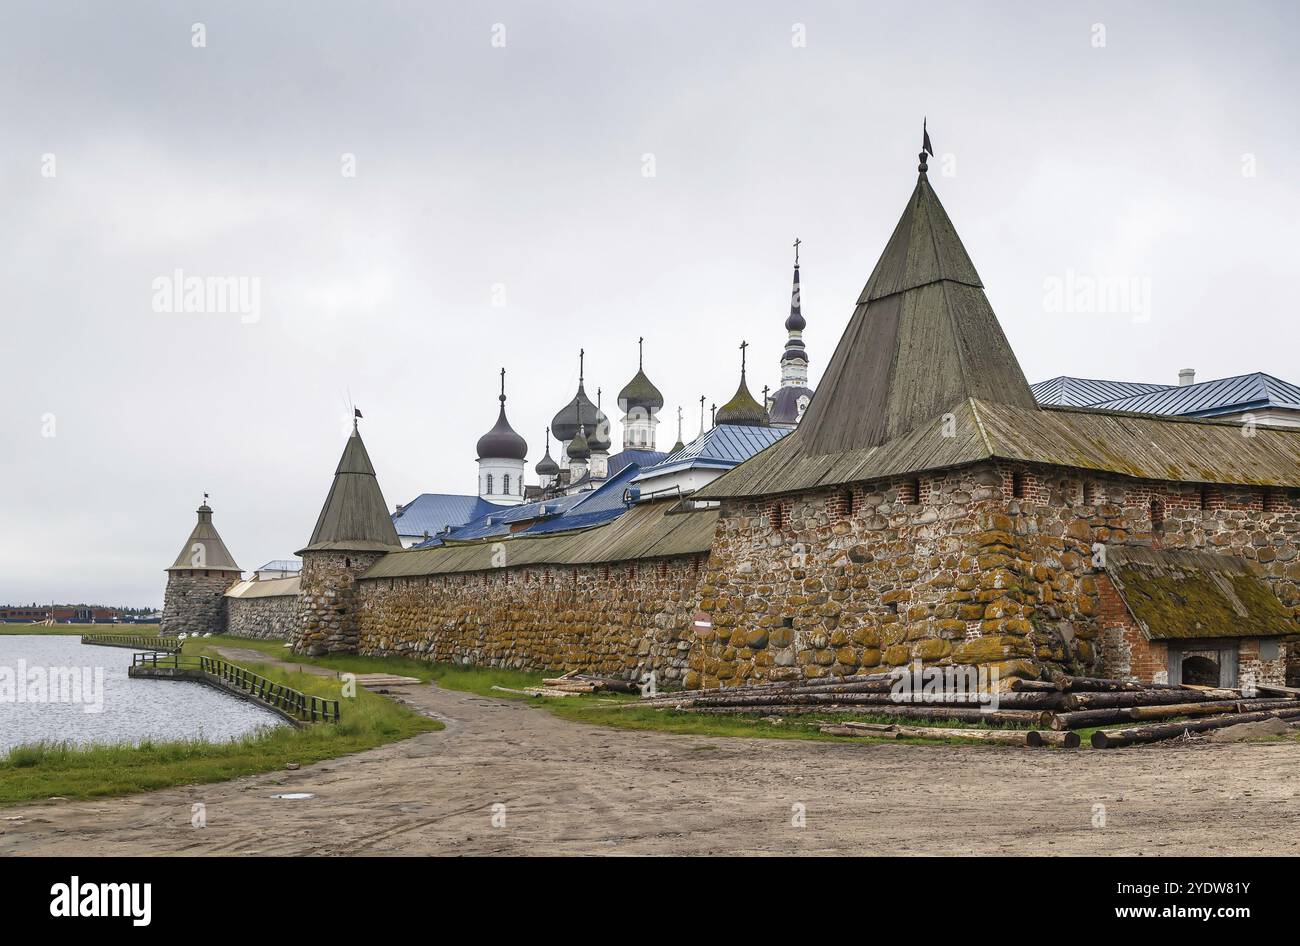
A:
(742, 409)
(355, 516)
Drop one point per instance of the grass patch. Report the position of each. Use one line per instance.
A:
(43, 630)
(43, 770)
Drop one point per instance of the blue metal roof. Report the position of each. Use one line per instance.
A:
(576, 520)
(723, 447)
(1065, 391)
(571, 511)
(642, 458)
(1224, 396)
(433, 512)
(282, 565)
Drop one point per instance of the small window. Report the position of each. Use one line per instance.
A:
(846, 503)
(1157, 514)
(1018, 484)
(488, 491)
(505, 484)
(776, 517)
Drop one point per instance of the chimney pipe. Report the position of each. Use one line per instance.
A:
(1186, 376)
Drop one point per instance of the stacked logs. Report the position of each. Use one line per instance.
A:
(1059, 705)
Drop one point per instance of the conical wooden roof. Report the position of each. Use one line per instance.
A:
(922, 339)
(355, 516)
(204, 548)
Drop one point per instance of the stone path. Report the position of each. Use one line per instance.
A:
(568, 788)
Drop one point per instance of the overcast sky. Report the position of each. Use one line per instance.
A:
(501, 214)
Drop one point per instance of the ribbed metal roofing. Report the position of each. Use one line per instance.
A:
(433, 512)
(720, 449)
(1065, 391)
(282, 565)
(1226, 395)
(204, 548)
(355, 516)
(642, 458)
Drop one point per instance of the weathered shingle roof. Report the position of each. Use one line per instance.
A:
(647, 530)
(922, 338)
(1223, 396)
(355, 516)
(267, 588)
(1187, 594)
(1138, 445)
(204, 548)
(1065, 391)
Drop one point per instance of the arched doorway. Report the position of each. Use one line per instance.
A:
(1200, 670)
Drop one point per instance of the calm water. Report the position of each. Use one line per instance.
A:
(132, 710)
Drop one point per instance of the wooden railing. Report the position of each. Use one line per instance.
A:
(286, 699)
(167, 645)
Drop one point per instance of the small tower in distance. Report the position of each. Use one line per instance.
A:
(793, 396)
(501, 456)
(194, 602)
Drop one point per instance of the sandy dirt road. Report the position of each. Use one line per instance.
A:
(577, 789)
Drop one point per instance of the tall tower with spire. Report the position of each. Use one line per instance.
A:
(501, 456)
(640, 402)
(194, 602)
(793, 396)
(353, 531)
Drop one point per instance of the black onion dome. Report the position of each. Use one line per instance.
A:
(795, 323)
(547, 466)
(641, 393)
(501, 442)
(597, 441)
(570, 417)
(742, 410)
(578, 449)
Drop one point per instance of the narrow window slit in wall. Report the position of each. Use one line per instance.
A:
(1157, 514)
(1018, 484)
(776, 516)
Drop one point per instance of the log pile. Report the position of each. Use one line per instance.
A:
(1056, 706)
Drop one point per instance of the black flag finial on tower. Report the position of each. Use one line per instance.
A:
(926, 147)
(356, 416)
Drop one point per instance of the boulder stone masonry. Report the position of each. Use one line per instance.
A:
(268, 618)
(194, 602)
(327, 602)
(990, 564)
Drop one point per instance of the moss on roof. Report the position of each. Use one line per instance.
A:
(1178, 594)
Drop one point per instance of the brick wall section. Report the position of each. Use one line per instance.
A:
(624, 619)
(271, 618)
